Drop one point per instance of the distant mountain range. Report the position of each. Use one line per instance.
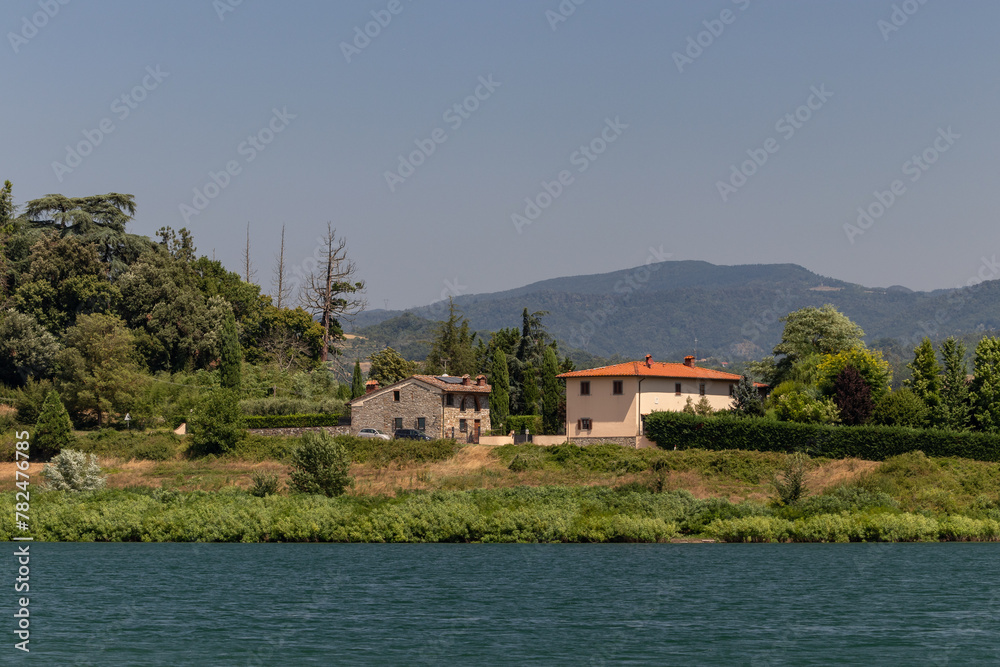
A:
(664, 308)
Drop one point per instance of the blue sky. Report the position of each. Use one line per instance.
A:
(329, 130)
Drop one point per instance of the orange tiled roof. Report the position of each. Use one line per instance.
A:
(661, 369)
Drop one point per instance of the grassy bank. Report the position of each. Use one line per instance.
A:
(443, 492)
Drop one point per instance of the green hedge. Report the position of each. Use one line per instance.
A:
(292, 421)
(676, 430)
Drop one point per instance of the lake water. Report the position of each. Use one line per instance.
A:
(681, 604)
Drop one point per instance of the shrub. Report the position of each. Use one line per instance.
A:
(790, 483)
(156, 448)
(518, 423)
(320, 465)
(218, 425)
(750, 529)
(71, 471)
(264, 484)
(289, 406)
(8, 417)
(54, 430)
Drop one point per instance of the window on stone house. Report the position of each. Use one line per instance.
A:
(397, 423)
(461, 406)
(449, 399)
(395, 396)
(677, 389)
(475, 403)
(585, 388)
(616, 387)
(421, 423)
(463, 426)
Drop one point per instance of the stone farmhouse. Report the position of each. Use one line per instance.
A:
(442, 406)
(607, 404)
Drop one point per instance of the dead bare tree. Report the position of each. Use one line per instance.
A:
(282, 291)
(248, 271)
(331, 290)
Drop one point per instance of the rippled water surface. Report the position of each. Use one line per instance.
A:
(233, 604)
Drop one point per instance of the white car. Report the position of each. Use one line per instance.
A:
(372, 433)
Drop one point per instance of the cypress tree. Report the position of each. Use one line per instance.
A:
(550, 392)
(985, 394)
(231, 358)
(954, 390)
(925, 382)
(357, 381)
(853, 397)
(53, 431)
(499, 391)
(530, 390)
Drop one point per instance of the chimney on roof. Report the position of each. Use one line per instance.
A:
(689, 361)
(466, 380)
(480, 380)
(370, 386)
(649, 361)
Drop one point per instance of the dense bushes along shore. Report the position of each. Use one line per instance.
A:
(523, 514)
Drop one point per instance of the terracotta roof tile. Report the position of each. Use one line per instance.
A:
(655, 369)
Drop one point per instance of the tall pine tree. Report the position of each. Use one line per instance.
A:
(499, 391)
(985, 394)
(954, 389)
(53, 431)
(530, 383)
(925, 381)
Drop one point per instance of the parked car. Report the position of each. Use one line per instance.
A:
(411, 434)
(373, 433)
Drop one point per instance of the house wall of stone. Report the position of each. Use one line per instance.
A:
(416, 400)
(453, 414)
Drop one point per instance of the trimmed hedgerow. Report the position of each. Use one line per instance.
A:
(292, 421)
(675, 430)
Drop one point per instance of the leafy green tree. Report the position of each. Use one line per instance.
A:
(53, 431)
(985, 393)
(814, 331)
(925, 378)
(530, 390)
(99, 369)
(550, 392)
(218, 425)
(852, 396)
(868, 363)
(746, 399)
(389, 367)
(954, 387)
(802, 407)
(452, 350)
(7, 209)
(357, 381)
(320, 465)
(27, 350)
(499, 391)
(230, 358)
(900, 408)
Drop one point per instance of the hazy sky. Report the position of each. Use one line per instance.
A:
(625, 123)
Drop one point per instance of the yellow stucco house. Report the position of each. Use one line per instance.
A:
(607, 404)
